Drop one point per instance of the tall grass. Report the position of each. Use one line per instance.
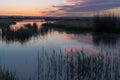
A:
(6, 24)
(106, 23)
(6, 75)
(98, 23)
(77, 66)
(66, 27)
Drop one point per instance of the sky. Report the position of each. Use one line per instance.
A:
(58, 7)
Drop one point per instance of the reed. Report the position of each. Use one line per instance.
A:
(98, 23)
(106, 23)
(77, 66)
(6, 75)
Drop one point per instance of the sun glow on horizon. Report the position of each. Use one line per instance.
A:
(22, 13)
(26, 7)
(57, 7)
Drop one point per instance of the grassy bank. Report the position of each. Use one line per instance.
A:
(105, 23)
(70, 25)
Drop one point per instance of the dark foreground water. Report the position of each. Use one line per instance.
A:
(50, 54)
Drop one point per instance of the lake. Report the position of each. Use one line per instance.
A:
(21, 52)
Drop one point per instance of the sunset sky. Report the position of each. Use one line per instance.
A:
(58, 7)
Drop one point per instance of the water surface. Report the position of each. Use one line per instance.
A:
(19, 54)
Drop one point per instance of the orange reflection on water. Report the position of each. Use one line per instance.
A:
(21, 24)
(72, 49)
(67, 37)
(85, 38)
(88, 50)
(16, 26)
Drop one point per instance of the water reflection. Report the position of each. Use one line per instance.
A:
(22, 32)
(105, 38)
(98, 57)
(95, 42)
(20, 24)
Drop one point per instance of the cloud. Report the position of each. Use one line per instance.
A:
(74, 1)
(89, 5)
(84, 6)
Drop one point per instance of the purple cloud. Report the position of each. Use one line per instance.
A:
(84, 6)
(90, 5)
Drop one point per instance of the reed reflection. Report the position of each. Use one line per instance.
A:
(108, 39)
(21, 33)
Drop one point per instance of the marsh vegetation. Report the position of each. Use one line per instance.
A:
(99, 23)
(77, 66)
(6, 75)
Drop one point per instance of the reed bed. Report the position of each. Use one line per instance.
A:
(98, 23)
(106, 23)
(77, 66)
(6, 75)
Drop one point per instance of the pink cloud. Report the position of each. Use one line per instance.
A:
(74, 1)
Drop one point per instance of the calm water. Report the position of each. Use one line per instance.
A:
(19, 54)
